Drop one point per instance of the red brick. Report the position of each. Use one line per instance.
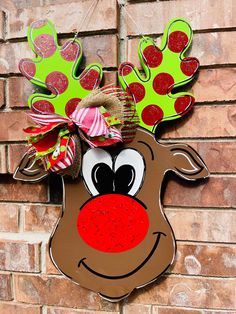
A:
(66, 17)
(50, 268)
(14, 308)
(5, 287)
(135, 1)
(199, 292)
(9, 217)
(109, 78)
(19, 256)
(218, 121)
(12, 124)
(2, 93)
(215, 85)
(215, 192)
(153, 17)
(19, 89)
(214, 48)
(101, 48)
(98, 48)
(3, 159)
(41, 217)
(59, 1)
(58, 291)
(203, 225)
(12, 190)
(15, 154)
(210, 48)
(16, 4)
(56, 310)
(182, 310)
(137, 309)
(11, 54)
(218, 156)
(198, 259)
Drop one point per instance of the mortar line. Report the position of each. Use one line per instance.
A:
(197, 242)
(43, 248)
(216, 310)
(196, 31)
(113, 31)
(21, 221)
(194, 208)
(44, 309)
(122, 31)
(13, 285)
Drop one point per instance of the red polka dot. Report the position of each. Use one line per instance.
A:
(57, 82)
(183, 104)
(27, 68)
(113, 223)
(90, 79)
(137, 90)
(152, 114)
(39, 23)
(189, 66)
(162, 83)
(45, 45)
(153, 56)
(177, 41)
(43, 106)
(70, 51)
(126, 69)
(71, 105)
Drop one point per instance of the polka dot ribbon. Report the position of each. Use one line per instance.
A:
(165, 69)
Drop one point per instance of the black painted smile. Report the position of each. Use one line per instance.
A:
(82, 261)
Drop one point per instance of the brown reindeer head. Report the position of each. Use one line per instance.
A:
(113, 235)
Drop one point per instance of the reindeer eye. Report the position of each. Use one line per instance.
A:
(124, 179)
(129, 169)
(102, 177)
(97, 171)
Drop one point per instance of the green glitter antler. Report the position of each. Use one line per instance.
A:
(165, 69)
(55, 68)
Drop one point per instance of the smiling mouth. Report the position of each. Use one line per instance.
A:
(82, 261)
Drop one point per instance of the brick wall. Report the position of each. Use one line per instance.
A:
(202, 215)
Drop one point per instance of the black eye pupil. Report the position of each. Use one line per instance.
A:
(124, 179)
(102, 177)
(106, 181)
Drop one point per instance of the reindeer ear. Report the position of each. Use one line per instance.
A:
(186, 162)
(29, 169)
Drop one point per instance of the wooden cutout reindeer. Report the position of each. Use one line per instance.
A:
(113, 235)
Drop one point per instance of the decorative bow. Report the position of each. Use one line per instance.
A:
(55, 139)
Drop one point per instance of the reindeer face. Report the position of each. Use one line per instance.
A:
(113, 235)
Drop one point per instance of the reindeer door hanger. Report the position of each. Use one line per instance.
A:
(113, 235)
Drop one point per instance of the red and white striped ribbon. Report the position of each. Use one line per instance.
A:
(89, 120)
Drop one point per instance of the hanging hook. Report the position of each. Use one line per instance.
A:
(83, 20)
(131, 18)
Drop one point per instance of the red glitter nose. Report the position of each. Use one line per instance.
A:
(113, 223)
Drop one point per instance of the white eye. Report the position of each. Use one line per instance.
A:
(97, 171)
(129, 171)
